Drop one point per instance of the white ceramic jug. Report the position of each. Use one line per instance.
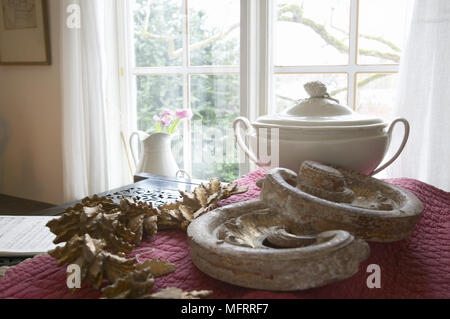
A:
(156, 154)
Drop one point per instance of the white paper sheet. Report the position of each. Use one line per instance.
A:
(25, 235)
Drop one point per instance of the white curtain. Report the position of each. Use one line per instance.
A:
(93, 154)
(424, 96)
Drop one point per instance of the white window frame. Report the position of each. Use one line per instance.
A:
(352, 69)
(256, 69)
(130, 72)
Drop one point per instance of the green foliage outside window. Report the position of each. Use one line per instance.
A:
(214, 99)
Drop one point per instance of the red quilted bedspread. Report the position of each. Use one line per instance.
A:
(418, 267)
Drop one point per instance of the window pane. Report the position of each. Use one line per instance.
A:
(214, 32)
(215, 104)
(158, 32)
(289, 87)
(311, 32)
(154, 94)
(382, 29)
(376, 94)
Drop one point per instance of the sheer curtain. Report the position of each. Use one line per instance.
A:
(424, 96)
(93, 154)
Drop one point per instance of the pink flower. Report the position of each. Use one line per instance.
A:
(184, 114)
(165, 121)
(169, 120)
(167, 113)
(165, 118)
(156, 119)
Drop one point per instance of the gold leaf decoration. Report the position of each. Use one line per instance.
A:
(177, 293)
(139, 282)
(96, 222)
(157, 267)
(98, 234)
(134, 285)
(140, 216)
(95, 263)
(203, 199)
(122, 226)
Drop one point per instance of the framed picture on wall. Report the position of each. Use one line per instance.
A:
(24, 34)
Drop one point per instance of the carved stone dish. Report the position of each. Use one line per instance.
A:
(249, 245)
(322, 198)
(306, 230)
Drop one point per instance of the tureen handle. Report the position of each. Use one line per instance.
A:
(239, 139)
(402, 145)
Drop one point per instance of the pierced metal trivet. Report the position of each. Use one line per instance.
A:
(155, 196)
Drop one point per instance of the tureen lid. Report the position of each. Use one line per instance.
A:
(318, 111)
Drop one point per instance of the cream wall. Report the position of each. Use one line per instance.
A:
(31, 161)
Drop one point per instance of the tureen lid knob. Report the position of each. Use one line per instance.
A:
(316, 89)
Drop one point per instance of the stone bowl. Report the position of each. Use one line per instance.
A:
(371, 209)
(249, 245)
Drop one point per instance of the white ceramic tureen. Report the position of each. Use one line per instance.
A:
(320, 129)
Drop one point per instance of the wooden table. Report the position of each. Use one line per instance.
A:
(10, 205)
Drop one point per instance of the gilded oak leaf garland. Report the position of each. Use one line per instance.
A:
(177, 293)
(203, 199)
(95, 263)
(99, 233)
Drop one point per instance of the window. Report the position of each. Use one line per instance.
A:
(186, 54)
(225, 58)
(353, 46)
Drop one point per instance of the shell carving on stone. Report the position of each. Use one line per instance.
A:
(261, 230)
